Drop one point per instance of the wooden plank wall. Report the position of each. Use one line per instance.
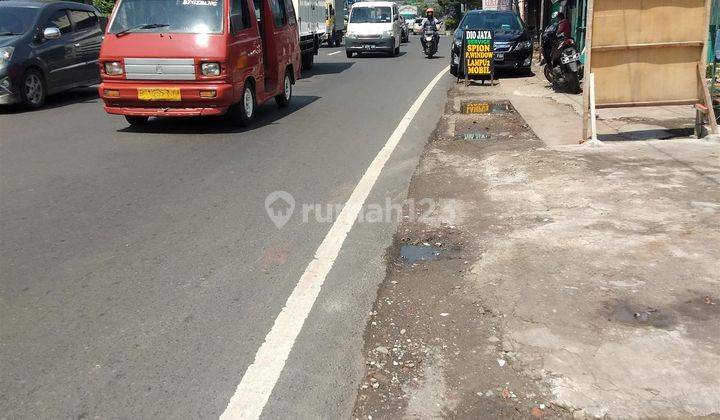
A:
(646, 51)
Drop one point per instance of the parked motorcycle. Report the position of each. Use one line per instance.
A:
(561, 59)
(430, 44)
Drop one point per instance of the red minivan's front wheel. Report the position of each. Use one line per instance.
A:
(283, 99)
(243, 113)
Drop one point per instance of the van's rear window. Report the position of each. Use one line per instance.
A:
(176, 16)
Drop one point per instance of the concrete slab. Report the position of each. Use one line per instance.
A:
(556, 117)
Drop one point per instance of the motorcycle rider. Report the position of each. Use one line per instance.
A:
(429, 23)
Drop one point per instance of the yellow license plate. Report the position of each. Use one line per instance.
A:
(159, 94)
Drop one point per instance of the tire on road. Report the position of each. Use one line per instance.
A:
(32, 89)
(573, 83)
(283, 99)
(243, 112)
(547, 71)
(307, 60)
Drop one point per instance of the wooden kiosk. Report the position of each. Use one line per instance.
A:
(646, 53)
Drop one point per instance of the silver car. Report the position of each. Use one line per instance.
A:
(405, 36)
(417, 26)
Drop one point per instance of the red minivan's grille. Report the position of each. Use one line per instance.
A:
(160, 69)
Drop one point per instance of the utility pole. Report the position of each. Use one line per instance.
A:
(542, 18)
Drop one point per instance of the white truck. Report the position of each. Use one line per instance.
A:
(311, 22)
(335, 11)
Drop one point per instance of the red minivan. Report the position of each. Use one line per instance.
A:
(179, 58)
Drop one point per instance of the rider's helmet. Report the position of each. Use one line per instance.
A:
(429, 11)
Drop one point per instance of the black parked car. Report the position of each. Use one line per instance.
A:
(45, 48)
(513, 47)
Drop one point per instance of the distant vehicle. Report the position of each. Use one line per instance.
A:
(374, 26)
(408, 11)
(335, 11)
(513, 47)
(312, 26)
(417, 26)
(46, 48)
(169, 58)
(497, 5)
(405, 30)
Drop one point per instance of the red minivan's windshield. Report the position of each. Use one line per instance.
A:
(169, 16)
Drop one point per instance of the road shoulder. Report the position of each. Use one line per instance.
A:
(325, 366)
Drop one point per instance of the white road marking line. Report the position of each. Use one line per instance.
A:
(260, 378)
(333, 53)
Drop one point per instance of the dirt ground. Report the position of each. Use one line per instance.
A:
(550, 282)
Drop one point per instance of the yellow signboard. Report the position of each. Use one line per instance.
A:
(478, 53)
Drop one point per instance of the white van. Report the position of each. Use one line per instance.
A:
(374, 26)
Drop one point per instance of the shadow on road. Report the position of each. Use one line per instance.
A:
(499, 76)
(378, 54)
(645, 135)
(513, 74)
(327, 68)
(74, 96)
(267, 114)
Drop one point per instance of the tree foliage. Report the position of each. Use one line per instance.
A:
(104, 6)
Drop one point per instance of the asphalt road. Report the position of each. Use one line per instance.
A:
(141, 272)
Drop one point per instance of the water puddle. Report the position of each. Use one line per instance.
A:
(479, 107)
(419, 253)
(652, 317)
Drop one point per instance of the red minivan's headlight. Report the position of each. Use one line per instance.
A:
(210, 69)
(113, 68)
